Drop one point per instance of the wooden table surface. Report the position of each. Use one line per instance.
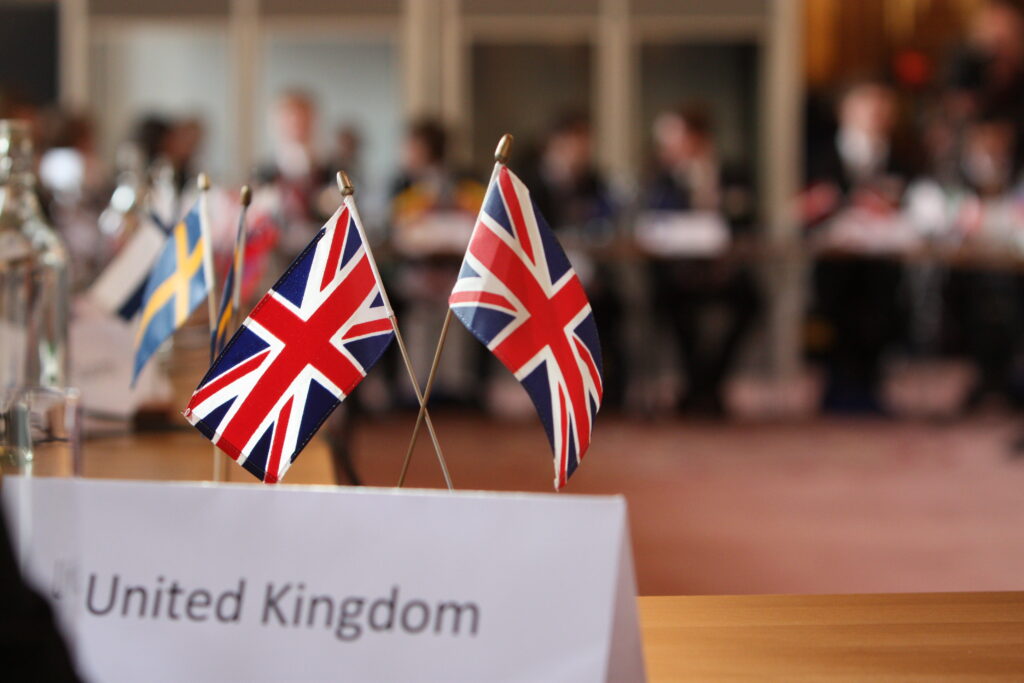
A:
(886, 637)
(892, 637)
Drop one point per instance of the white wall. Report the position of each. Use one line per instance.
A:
(169, 69)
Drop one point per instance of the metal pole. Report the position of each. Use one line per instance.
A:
(245, 199)
(203, 183)
(348, 192)
(500, 158)
(238, 263)
(422, 415)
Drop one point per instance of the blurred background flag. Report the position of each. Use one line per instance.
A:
(261, 241)
(120, 287)
(518, 295)
(176, 286)
(231, 295)
(306, 345)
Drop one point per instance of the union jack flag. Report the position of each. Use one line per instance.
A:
(518, 295)
(305, 346)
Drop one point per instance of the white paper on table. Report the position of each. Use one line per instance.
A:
(682, 233)
(434, 232)
(103, 348)
(129, 268)
(549, 577)
(859, 230)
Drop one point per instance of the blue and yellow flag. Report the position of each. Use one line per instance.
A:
(176, 286)
(229, 297)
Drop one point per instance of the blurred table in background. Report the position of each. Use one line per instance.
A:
(915, 636)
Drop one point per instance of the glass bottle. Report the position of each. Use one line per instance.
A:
(34, 282)
(34, 295)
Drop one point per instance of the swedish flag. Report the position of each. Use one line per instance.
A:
(176, 286)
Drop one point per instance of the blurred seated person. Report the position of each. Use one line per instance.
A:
(74, 188)
(856, 315)
(295, 170)
(573, 197)
(861, 164)
(985, 303)
(991, 63)
(428, 183)
(433, 211)
(347, 153)
(181, 149)
(692, 190)
(151, 136)
(566, 186)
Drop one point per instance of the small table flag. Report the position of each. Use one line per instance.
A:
(306, 345)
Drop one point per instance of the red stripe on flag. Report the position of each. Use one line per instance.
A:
(591, 368)
(479, 297)
(371, 327)
(338, 237)
(305, 342)
(280, 429)
(564, 456)
(226, 379)
(545, 327)
(515, 212)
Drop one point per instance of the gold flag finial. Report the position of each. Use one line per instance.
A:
(501, 153)
(345, 184)
(246, 195)
(203, 182)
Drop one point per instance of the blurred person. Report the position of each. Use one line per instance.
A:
(345, 156)
(164, 153)
(69, 166)
(347, 152)
(150, 135)
(74, 188)
(862, 163)
(181, 147)
(434, 209)
(857, 311)
(987, 162)
(295, 124)
(985, 303)
(995, 52)
(692, 179)
(295, 170)
(566, 185)
(33, 647)
(574, 198)
(984, 74)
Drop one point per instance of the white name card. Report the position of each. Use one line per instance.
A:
(434, 233)
(682, 233)
(192, 582)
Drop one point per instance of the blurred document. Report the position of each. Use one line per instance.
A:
(102, 369)
(859, 230)
(126, 274)
(175, 582)
(682, 234)
(434, 233)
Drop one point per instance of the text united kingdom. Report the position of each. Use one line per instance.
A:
(281, 604)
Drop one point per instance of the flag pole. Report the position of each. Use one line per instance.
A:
(348, 192)
(245, 199)
(220, 472)
(426, 397)
(500, 159)
(203, 183)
